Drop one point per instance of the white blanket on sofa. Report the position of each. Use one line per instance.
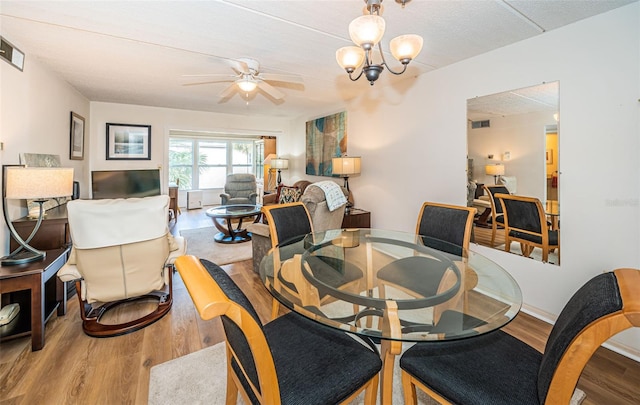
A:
(333, 194)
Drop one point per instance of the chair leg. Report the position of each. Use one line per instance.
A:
(371, 392)
(409, 389)
(275, 309)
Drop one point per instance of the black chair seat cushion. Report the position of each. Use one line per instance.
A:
(416, 273)
(553, 237)
(315, 364)
(494, 368)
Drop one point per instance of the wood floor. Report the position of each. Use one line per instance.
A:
(75, 369)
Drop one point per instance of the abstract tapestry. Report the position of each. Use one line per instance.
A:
(326, 139)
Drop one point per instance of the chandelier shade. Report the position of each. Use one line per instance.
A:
(367, 30)
(350, 57)
(406, 47)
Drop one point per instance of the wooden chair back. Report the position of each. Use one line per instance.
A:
(451, 224)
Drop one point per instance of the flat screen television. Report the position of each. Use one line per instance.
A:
(125, 183)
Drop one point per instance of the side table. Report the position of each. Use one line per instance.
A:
(47, 293)
(356, 218)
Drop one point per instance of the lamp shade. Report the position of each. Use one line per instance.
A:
(350, 57)
(282, 164)
(267, 160)
(345, 165)
(367, 30)
(406, 47)
(247, 85)
(494, 170)
(22, 183)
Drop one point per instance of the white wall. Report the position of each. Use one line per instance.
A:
(35, 116)
(412, 139)
(162, 120)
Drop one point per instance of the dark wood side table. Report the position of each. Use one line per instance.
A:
(46, 294)
(53, 232)
(356, 218)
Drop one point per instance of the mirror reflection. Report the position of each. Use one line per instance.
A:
(512, 172)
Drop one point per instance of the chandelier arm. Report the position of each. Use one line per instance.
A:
(360, 74)
(385, 64)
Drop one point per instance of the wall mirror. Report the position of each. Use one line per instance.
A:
(512, 140)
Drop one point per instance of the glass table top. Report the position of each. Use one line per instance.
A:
(391, 285)
(233, 211)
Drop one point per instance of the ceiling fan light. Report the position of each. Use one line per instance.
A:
(367, 30)
(350, 57)
(406, 47)
(247, 85)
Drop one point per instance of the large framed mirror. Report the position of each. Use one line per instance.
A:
(512, 148)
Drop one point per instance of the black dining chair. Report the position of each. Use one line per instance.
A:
(526, 222)
(498, 369)
(497, 215)
(290, 360)
(444, 227)
(288, 224)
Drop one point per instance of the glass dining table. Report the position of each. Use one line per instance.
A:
(390, 286)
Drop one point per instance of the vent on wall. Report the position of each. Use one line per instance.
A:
(11, 54)
(480, 124)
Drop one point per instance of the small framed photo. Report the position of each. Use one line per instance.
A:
(76, 137)
(549, 156)
(128, 142)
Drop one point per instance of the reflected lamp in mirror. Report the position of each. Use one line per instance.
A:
(495, 171)
(32, 183)
(280, 165)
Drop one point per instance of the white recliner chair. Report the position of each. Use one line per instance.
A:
(122, 251)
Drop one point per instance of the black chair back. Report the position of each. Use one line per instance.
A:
(289, 221)
(523, 215)
(492, 191)
(446, 228)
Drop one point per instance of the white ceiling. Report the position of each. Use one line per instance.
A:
(136, 52)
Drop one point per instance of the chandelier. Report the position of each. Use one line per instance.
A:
(366, 32)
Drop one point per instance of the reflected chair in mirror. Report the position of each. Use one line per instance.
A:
(446, 228)
(240, 188)
(288, 224)
(497, 217)
(499, 369)
(526, 222)
(289, 360)
(122, 253)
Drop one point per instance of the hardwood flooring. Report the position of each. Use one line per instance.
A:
(75, 369)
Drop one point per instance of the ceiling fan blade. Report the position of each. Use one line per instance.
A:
(211, 75)
(270, 90)
(281, 78)
(238, 65)
(208, 82)
(228, 91)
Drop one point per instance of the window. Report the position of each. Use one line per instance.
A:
(203, 163)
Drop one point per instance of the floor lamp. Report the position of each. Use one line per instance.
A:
(345, 166)
(32, 183)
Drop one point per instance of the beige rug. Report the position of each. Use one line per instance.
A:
(200, 243)
(200, 378)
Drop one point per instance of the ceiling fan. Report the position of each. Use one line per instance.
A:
(248, 77)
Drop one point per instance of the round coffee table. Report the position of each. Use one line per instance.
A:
(223, 217)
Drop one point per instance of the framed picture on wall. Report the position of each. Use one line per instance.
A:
(128, 142)
(326, 139)
(76, 137)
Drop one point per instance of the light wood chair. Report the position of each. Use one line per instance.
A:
(290, 360)
(498, 369)
(497, 215)
(526, 222)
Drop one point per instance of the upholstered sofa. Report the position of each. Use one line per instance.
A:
(321, 218)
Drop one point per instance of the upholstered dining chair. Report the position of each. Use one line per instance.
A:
(497, 216)
(290, 360)
(440, 226)
(122, 252)
(526, 222)
(288, 223)
(499, 369)
(240, 188)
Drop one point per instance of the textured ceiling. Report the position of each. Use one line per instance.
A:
(137, 52)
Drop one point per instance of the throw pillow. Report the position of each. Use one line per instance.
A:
(288, 195)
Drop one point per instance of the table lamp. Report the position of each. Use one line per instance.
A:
(280, 164)
(495, 171)
(344, 166)
(267, 163)
(32, 183)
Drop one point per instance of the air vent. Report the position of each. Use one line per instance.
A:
(480, 124)
(11, 54)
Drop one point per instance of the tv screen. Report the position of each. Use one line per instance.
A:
(125, 183)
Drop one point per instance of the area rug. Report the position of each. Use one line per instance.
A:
(200, 378)
(200, 243)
